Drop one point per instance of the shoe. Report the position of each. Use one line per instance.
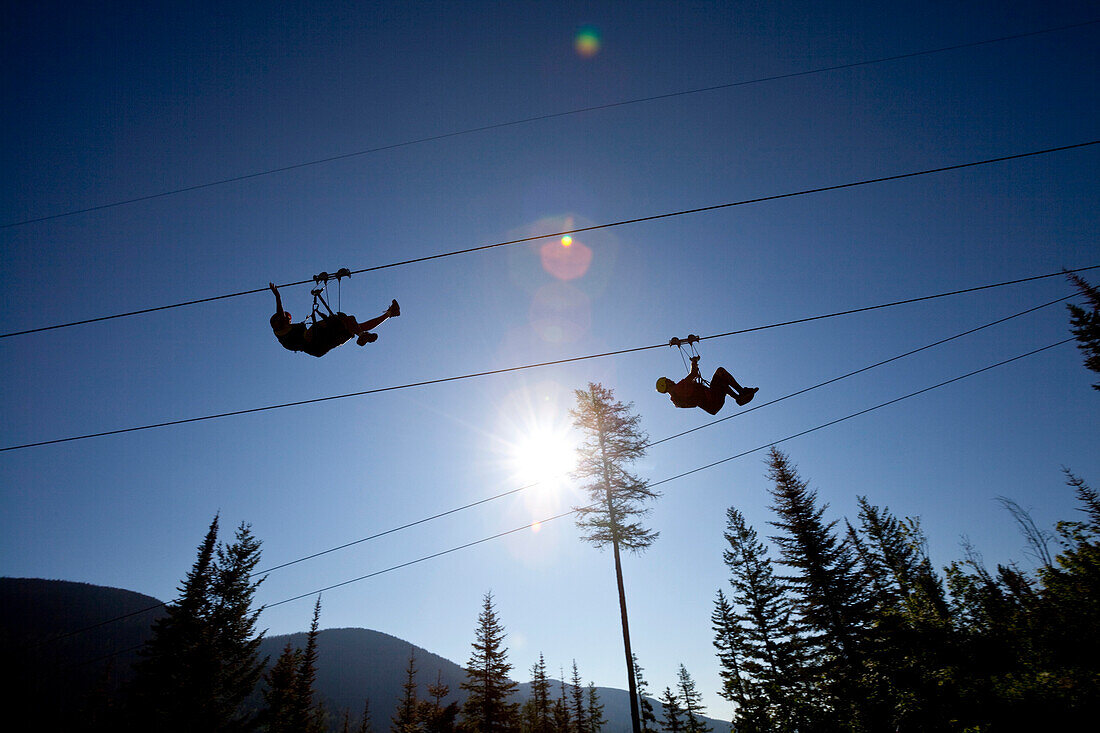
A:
(366, 338)
(746, 396)
(394, 310)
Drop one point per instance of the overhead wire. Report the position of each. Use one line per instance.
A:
(583, 229)
(510, 492)
(652, 443)
(539, 118)
(578, 230)
(670, 479)
(442, 380)
(677, 476)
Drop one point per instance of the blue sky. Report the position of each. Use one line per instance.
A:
(109, 105)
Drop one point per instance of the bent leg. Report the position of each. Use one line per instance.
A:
(725, 381)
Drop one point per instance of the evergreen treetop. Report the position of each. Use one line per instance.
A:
(488, 707)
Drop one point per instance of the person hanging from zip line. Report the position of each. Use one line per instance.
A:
(693, 391)
(325, 334)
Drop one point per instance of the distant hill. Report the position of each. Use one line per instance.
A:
(68, 674)
(356, 664)
(61, 673)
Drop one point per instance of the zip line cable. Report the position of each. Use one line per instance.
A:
(671, 437)
(540, 522)
(505, 370)
(548, 235)
(536, 483)
(677, 476)
(538, 118)
(859, 371)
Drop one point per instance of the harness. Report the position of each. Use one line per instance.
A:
(686, 347)
(320, 282)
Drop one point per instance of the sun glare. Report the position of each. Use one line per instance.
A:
(544, 456)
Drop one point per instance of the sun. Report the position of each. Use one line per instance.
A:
(543, 455)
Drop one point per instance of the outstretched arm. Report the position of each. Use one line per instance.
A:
(278, 299)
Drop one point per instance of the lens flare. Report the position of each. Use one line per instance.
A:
(568, 261)
(587, 42)
(536, 526)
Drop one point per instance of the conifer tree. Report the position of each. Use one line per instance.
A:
(612, 442)
(908, 645)
(537, 714)
(406, 719)
(201, 662)
(692, 701)
(579, 709)
(562, 723)
(671, 712)
(729, 640)
(649, 720)
(594, 712)
(365, 724)
(308, 717)
(488, 707)
(234, 624)
(175, 673)
(759, 648)
(832, 605)
(281, 692)
(435, 717)
(1085, 324)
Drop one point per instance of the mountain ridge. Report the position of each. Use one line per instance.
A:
(55, 630)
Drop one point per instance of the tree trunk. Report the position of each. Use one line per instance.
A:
(635, 718)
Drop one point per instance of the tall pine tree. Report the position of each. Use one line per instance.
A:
(831, 602)
(488, 707)
(612, 442)
(759, 647)
(201, 663)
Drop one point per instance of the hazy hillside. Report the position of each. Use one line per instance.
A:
(354, 664)
(68, 674)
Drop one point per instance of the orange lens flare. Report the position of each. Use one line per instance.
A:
(587, 42)
(567, 262)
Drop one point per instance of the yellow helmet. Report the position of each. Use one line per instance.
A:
(662, 385)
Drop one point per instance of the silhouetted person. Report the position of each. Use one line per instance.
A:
(327, 333)
(692, 392)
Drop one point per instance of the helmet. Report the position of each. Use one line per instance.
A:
(662, 385)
